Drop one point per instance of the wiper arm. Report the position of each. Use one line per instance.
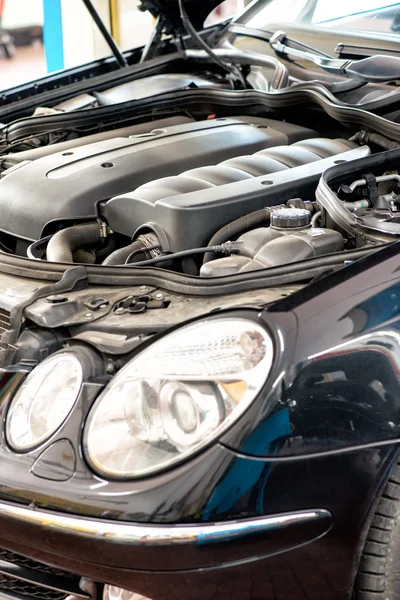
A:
(265, 36)
(328, 63)
(374, 69)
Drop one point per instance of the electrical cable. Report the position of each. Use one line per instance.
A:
(226, 248)
(231, 69)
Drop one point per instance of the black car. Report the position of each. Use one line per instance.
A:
(200, 320)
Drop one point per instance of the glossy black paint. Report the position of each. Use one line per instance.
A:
(57, 462)
(336, 381)
(347, 483)
(307, 442)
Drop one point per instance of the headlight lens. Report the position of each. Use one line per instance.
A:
(43, 401)
(176, 396)
(115, 593)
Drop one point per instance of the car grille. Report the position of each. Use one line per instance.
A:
(23, 578)
(23, 561)
(19, 588)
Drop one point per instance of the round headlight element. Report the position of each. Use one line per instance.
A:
(177, 396)
(43, 401)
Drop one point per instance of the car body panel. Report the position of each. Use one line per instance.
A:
(279, 505)
(362, 341)
(350, 485)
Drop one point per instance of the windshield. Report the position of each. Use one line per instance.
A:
(370, 16)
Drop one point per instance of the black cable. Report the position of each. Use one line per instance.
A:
(226, 248)
(231, 69)
(235, 228)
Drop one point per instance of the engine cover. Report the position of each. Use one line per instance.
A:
(68, 186)
(192, 206)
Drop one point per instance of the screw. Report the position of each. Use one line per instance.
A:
(102, 306)
(143, 288)
(159, 296)
(110, 368)
(119, 311)
(88, 316)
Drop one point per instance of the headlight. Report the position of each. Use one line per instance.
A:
(176, 396)
(115, 593)
(43, 401)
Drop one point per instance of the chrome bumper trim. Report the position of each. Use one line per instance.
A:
(135, 534)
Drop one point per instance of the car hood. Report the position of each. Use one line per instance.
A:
(197, 11)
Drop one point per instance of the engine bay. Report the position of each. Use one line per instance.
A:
(208, 190)
(176, 187)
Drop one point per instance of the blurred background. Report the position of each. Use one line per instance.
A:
(41, 36)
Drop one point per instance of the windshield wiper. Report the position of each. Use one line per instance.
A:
(265, 36)
(351, 51)
(374, 69)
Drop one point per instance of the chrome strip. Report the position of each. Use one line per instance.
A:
(157, 535)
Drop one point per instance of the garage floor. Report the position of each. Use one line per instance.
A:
(29, 63)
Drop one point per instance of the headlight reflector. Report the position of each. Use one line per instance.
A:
(176, 396)
(43, 401)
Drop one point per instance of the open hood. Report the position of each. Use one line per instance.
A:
(169, 9)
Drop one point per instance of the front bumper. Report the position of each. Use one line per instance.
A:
(291, 552)
(145, 547)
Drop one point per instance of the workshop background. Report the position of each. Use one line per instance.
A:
(41, 36)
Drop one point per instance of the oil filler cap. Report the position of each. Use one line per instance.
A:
(288, 218)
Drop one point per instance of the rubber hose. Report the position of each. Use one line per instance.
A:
(118, 257)
(142, 244)
(365, 137)
(168, 257)
(65, 242)
(235, 228)
(84, 257)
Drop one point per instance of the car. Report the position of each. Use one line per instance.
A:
(200, 320)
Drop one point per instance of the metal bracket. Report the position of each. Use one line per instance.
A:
(74, 278)
(141, 304)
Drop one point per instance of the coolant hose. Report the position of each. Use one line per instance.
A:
(64, 243)
(143, 244)
(237, 227)
(118, 257)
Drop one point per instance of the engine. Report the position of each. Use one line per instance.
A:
(78, 184)
(180, 193)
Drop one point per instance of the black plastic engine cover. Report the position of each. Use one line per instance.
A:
(190, 208)
(68, 186)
